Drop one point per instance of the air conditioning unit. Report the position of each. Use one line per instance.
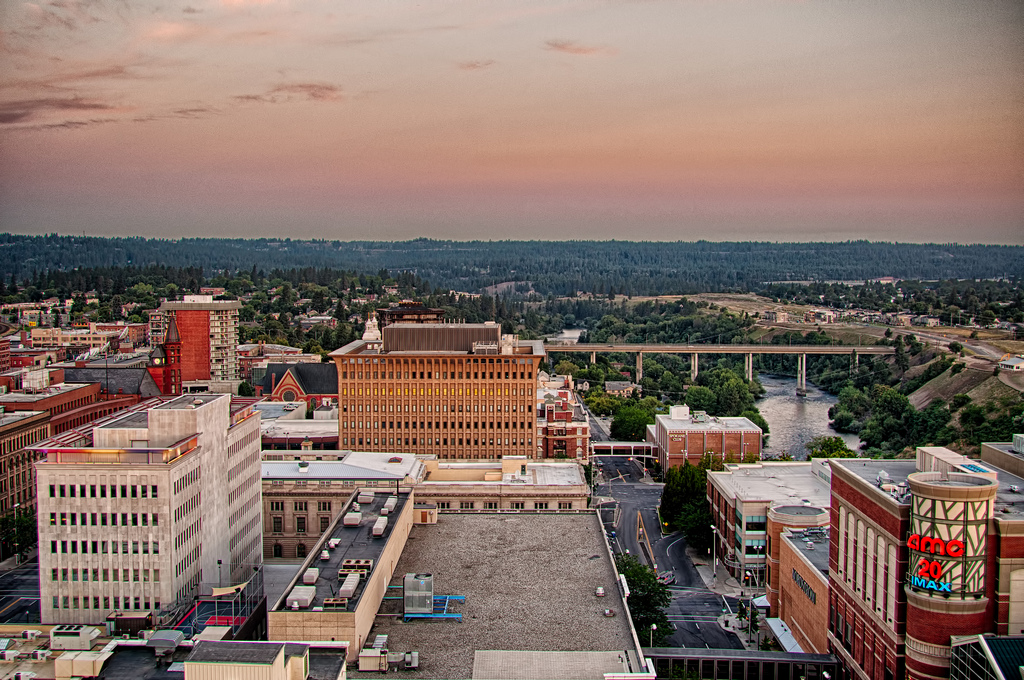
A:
(24, 675)
(30, 634)
(40, 654)
(10, 654)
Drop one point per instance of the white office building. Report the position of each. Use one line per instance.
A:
(150, 509)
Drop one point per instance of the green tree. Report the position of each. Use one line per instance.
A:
(245, 389)
(566, 367)
(630, 424)
(647, 598)
(824, 446)
(700, 398)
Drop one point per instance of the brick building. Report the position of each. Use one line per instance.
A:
(682, 435)
(5, 354)
(314, 384)
(458, 391)
(563, 430)
(803, 588)
(208, 330)
(921, 551)
(19, 430)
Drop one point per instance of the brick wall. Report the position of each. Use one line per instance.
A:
(194, 328)
(807, 619)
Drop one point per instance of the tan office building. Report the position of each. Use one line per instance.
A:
(457, 391)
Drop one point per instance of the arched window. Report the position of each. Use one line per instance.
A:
(288, 395)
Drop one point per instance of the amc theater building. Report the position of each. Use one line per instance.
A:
(920, 551)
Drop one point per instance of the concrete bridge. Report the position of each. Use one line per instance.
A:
(747, 350)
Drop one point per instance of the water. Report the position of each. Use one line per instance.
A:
(793, 421)
(571, 335)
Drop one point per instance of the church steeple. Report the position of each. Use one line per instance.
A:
(172, 348)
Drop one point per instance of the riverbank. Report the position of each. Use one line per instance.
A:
(794, 421)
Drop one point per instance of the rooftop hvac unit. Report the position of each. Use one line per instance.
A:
(10, 654)
(40, 654)
(24, 675)
(1018, 443)
(419, 593)
(30, 634)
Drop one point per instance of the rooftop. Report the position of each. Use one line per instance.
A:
(355, 542)
(42, 393)
(509, 469)
(353, 465)
(287, 429)
(13, 417)
(236, 652)
(789, 483)
(698, 423)
(812, 544)
(188, 401)
(529, 585)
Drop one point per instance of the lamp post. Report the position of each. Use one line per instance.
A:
(654, 627)
(714, 548)
(16, 551)
(220, 581)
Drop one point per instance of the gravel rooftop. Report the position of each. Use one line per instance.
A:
(529, 584)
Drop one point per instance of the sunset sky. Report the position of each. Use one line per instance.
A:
(715, 119)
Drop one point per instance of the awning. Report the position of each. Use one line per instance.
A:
(785, 637)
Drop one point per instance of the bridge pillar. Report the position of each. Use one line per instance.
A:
(854, 361)
(748, 364)
(693, 367)
(593, 357)
(639, 367)
(801, 375)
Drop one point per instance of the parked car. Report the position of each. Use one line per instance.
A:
(667, 577)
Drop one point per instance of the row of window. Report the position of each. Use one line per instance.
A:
(300, 506)
(64, 519)
(439, 441)
(137, 575)
(437, 425)
(435, 408)
(100, 491)
(277, 524)
(100, 547)
(72, 603)
(436, 375)
(493, 505)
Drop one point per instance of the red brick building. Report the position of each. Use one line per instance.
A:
(208, 331)
(681, 436)
(920, 551)
(5, 354)
(563, 430)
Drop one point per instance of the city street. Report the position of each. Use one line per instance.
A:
(694, 609)
(19, 593)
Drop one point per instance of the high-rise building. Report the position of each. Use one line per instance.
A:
(208, 332)
(459, 391)
(149, 508)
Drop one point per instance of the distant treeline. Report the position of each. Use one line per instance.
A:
(545, 267)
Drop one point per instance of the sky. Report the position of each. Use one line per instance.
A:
(771, 120)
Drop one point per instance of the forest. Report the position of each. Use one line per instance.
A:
(545, 267)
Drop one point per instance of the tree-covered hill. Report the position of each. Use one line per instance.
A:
(547, 267)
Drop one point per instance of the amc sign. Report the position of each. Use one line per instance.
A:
(927, 573)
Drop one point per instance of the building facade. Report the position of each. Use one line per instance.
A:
(685, 436)
(18, 431)
(563, 429)
(208, 330)
(923, 551)
(149, 509)
(457, 391)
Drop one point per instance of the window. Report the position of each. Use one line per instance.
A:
(152, 491)
(565, 505)
(443, 505)
(465, 505)
(323, 506)
(53, 574)
(490, 505)
(300, 506)
(516, 505)
(300, 525)
(156, 547)
(540, 506)
(277, 506)
(324, 523)
(278, 525)
(278, 550)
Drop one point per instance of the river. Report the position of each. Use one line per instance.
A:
(793, 421)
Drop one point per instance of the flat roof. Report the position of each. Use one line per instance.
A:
(817, 552)
(188, 400)
(214, 651)
(353, 543)
(44, 393)
(712, 423)
(12, 417)
(354, 465)
(788, 483)
(286, 428)
(139, 420)
(529, 584)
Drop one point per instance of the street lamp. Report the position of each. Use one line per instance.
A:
(654, 627)
(220, 581)
(16, 551)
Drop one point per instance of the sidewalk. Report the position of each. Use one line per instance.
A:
(721, 583)
(732, 622)
(12, 563)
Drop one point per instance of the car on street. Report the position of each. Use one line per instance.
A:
(667, 577)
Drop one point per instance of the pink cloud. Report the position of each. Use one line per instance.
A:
(476, 65)
(575, 48)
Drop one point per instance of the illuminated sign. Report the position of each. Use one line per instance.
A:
(927, 573)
